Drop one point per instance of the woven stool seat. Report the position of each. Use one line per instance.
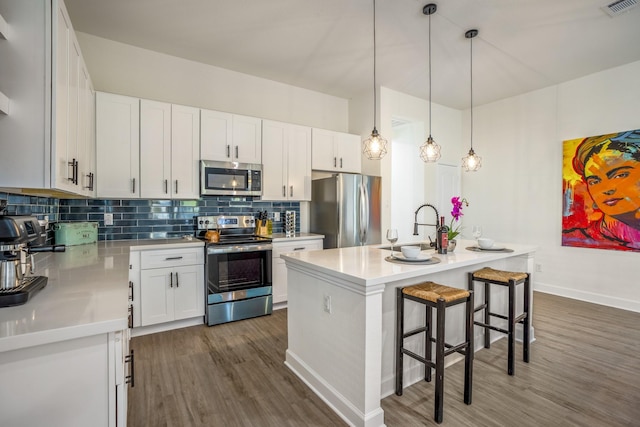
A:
(431, 291)
(489, 273)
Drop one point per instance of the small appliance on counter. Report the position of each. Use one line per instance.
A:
(75, 233)
(20, 238)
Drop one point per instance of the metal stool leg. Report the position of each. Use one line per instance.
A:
(487, 317)
(439, 401)
(399, 339)
(468, 354)
(526, 325)
(429, 336)
(511, 327)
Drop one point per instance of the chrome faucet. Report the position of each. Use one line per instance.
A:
(415, 223)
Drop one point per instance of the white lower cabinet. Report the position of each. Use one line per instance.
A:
(279, 277)
(166, 285)
(78, 382)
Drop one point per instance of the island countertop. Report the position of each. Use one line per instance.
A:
(86, 294)
(366, 265)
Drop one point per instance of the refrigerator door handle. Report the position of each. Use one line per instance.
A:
(364, 213)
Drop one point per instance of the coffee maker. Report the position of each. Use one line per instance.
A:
(20, 238)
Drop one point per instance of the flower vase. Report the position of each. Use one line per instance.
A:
(452, 245)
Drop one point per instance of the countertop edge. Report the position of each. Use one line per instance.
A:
(33, 339)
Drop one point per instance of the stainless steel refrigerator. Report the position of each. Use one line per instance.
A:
(346, 209)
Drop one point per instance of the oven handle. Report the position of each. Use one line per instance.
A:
(211, 249)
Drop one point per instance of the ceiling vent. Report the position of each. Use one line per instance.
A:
(619, 7)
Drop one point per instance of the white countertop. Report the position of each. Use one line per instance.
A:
(86, 294)
(366, 265)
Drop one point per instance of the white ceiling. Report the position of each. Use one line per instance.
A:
(327, 45)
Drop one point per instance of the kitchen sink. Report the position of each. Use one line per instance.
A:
(423, 246)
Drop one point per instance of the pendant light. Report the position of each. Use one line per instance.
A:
(375, 147)
(430, 150)
(472, 161)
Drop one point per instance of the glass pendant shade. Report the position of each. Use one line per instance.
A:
(430, 150)
(375, 147)
(471, 162)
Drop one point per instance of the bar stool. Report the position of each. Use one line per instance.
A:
(511, 279)
(433, 295)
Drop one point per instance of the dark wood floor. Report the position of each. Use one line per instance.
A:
(585, 371)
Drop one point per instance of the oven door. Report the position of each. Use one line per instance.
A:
(238, 268)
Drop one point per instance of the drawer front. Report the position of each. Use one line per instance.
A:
(297, 246)
(160, 258)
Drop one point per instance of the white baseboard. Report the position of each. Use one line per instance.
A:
(336, 401)
(609, 301)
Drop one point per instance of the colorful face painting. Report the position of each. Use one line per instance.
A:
(601, 192)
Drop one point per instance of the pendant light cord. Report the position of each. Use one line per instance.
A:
(375, 101)
(429, 76)
(471, 67)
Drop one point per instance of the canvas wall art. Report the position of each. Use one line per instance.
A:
(601, 191)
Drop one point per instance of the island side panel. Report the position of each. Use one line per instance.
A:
(338, 353)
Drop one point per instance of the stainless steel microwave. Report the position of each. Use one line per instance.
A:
(230, 179)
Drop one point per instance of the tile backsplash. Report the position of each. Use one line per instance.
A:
(141, 218)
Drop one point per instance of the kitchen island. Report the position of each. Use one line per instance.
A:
(341, 318)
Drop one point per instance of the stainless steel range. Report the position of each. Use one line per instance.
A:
(237, 269)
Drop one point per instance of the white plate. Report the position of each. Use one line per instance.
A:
(419, 258)
(493, 248)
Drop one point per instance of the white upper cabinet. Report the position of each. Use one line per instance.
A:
(286, 161)
(230, 137)
(49, 87)
(117, 146)
(155, 149)
(185, 152)
(336, 151)
(160, 163)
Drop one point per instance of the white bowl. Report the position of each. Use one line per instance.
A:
(410, 251)
(485, 242)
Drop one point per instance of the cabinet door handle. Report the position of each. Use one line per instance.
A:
(176, 186)
(228, 151)
(130, 318)
(130, 290)
(299, 249)
(91, 178)
(171, 279)
(172, 258)
(237, 155)
(340, 162)
(133, 186)
(75, 174)
(284, 191)
(335, 162)
(291, 191)
(130, 379)
(72, 163)
(177, 281)
(166, 186)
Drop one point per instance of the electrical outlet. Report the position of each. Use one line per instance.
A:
(538, 268)
(276, 216)
(327, 303)
(108, 219)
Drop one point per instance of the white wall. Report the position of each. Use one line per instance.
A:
(129, 70)
(517, 194)
(445, 129)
